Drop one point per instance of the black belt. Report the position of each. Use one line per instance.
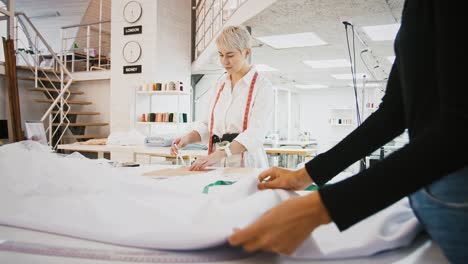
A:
(225, 137)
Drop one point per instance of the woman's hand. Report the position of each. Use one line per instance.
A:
(277, 178)
(178, 144)
(205, 161)
(283, 228)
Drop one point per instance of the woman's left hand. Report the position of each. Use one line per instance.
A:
(283, 228)
(205, 161)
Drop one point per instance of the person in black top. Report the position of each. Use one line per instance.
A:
(426, 95)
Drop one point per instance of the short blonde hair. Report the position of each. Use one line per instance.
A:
(234, 38)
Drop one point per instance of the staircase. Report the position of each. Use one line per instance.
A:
(63, 118)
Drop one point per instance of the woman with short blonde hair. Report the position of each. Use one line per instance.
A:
(240, 109)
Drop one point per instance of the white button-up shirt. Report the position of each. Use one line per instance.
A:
(229, 116)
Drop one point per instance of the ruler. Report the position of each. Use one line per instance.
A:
(224, 253)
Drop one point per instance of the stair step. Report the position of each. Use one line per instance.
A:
(24, 67)
(68, 101)
(79, 113)
(84, 136)
(51, 90)
(43, 79)
(82, 124)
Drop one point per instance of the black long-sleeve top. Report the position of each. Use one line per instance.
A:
(426, 93)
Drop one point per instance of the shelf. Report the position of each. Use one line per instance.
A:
(344, 125)
(160, 123)
(341, 109)
(163, 93)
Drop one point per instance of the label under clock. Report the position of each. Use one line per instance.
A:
(133, 30)
(132, 69)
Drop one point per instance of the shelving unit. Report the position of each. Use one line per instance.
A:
(341, 116)
(167, 111)
(163, 93)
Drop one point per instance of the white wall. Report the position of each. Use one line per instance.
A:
(166, 51)
(317, 107)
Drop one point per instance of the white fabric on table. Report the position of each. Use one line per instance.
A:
(78, 197)
(128, 138)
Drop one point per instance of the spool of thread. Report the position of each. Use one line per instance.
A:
(171, 86)
(143, 118)
(158, 87)
(152, 117)
(181, 86)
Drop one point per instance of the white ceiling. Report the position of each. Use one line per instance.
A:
(40, 7)
(323, 17)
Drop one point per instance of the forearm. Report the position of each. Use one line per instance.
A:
(193, 137)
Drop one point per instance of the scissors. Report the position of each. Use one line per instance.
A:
(179, 157)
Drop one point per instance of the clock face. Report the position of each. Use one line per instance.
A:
(132, 51)
(132, 11)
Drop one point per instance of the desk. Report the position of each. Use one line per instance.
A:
(289, 157)
(131, 150)
(422, 250)
(302, 144)
(292, 151)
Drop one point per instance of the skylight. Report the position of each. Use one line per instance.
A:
(325, 64)
(382, 32)
(369, 85)
(306, 39)
(311, 86)
(348, 76)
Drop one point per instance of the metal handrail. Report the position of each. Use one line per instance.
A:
(86, 24)
(88, 40)
(44, 42)
(63, 95)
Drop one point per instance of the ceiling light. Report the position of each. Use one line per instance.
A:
(264, 68)
(391, 59)
(369, 85)
(310, 86)
(382, 32)
(47, 15)
(306, 39)
(324, 64)
(348, 76)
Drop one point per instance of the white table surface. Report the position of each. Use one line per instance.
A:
(422, 250)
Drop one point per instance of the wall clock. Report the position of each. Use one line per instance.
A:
(132, 11)
(132, 51)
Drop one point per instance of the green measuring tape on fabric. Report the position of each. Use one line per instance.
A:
(313, 187)
(217, 183)
(206, 189)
